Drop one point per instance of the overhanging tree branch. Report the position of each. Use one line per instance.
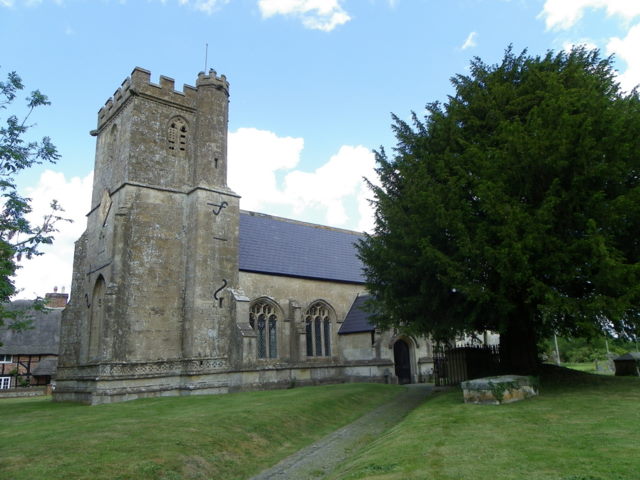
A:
(18, 237)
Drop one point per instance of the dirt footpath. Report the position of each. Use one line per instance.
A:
(320, 458)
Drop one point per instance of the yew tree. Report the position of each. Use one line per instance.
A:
(514, 206)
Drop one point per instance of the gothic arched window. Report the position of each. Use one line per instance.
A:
(327, 337)
(263, 319)
(177, 136)
(318, 330)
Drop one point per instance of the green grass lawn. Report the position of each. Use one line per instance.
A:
(590, 367)
(581, 427)
(204, 437)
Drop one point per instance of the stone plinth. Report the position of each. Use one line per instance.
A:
(497, 390)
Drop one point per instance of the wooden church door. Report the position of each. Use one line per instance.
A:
(403, 362)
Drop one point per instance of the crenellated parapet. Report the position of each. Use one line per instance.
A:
(139, 83)
(213, 79)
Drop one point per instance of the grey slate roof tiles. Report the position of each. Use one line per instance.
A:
(279, 246)
(357, 319)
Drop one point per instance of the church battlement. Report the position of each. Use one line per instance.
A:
(139, 83)
(212, 78)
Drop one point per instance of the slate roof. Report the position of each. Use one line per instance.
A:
(357, 320)
(42, 339)
(279, 246)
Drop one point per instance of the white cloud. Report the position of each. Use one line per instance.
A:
(322, 15)
(585, 42)
(332, 184)
(40, 274)
(206, 6)
(564, 14)
(257, 158)
(470, 41)
(627, 50)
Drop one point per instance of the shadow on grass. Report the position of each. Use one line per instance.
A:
(582, 426)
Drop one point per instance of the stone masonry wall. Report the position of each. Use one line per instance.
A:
(294, 296)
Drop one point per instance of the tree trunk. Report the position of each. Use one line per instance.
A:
(518, 343)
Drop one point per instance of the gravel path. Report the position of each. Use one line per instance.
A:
(320, 458)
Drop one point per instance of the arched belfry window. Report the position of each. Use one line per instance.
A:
(263, 318)
(318, 328)
(177, 136)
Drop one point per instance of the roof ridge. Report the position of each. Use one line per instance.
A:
(301, 222)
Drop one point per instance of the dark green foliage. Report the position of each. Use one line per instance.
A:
(590, 349)
(18, 237)
(513, 207)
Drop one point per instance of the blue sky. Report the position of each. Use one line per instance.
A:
(313, 84)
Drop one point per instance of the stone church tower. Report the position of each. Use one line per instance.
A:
(176, 291)
(154, 272)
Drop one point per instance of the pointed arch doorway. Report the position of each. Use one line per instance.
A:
(402, 360)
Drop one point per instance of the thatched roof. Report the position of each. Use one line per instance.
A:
(46, 367)
(42, 339)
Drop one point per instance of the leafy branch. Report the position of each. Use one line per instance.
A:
(19, 238)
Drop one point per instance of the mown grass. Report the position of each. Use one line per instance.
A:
(590, 367)
(581, 427)
(205, 437)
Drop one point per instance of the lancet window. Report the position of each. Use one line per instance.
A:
(318, 330)
(96, 317)
(112, 144)
(177, 136)
(263, 319)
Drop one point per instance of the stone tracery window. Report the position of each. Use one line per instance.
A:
(177, 136)
(318, 335)
(327, 336)
(318, 330)
(263, 319)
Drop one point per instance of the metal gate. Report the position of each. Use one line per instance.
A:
(452, 365)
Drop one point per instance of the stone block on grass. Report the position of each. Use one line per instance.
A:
(500, 389)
